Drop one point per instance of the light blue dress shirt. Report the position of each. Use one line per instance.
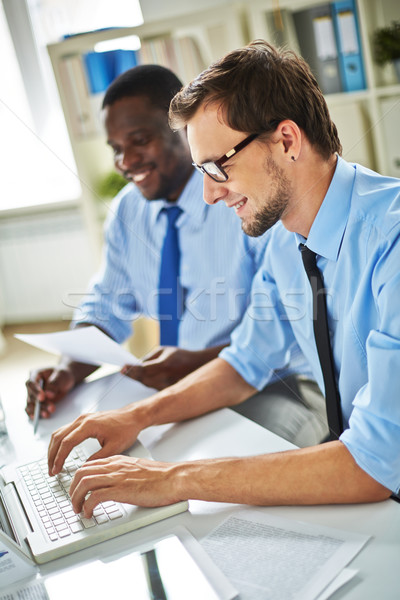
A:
(356, 235)
(218, 262)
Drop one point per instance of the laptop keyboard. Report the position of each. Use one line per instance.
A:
(51, 498)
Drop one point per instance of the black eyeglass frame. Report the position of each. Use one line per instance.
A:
(217, 163)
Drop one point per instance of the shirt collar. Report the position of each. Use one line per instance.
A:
(329, 225)
(190, 201)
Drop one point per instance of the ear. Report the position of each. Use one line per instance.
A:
(290, 139)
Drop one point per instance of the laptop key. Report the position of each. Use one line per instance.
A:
(100, 519)
(64, 533)
(116, 514)
(87, 523)
(76, 527)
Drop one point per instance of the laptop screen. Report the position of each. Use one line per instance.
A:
(5, 522)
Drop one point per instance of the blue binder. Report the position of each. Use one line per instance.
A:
(351, 64)
(103, 67)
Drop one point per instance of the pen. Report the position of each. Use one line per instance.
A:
(36, 413)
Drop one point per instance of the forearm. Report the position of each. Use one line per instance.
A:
(325, 474)
(201, 357)
(212, 386)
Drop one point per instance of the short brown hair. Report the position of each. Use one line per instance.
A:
(257, 85)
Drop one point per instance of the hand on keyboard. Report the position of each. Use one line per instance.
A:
(115, 430)
(124, 479)
(52, 502)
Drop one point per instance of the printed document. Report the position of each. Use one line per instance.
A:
(84, 344)
(270, 557)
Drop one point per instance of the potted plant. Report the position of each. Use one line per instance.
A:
(109, 185)
(106, 189)
(386, 44)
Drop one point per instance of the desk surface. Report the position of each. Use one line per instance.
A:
(222, 433)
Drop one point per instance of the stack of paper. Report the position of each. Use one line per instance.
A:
(269, 557)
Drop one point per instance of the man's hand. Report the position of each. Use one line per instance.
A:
(49, 386)
(324, 474)
(123, 479)
(167, 365)
(115, 431)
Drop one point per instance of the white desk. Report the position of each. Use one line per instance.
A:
(222, 433)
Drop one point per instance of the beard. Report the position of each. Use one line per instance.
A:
(274, 205)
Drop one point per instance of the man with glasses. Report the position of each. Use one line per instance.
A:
(217, 265)
(333, 221)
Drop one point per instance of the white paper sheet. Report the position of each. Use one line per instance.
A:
(32, 591)
(84, 344)
(271, 557)
(344, 577)
(14, 565)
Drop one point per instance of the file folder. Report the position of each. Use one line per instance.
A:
(103, 67)
(317, 41)
(351, 63)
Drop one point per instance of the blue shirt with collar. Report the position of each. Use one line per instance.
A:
(356, 235)
(218, 262)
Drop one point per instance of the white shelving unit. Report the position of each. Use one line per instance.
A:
(368, 121)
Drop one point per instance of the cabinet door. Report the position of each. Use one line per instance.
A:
(390, 110)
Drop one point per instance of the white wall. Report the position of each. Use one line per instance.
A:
(156, 10)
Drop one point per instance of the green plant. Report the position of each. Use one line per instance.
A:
(386, 43)
(110, 185)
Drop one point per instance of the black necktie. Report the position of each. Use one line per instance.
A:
(170, 290)
(322, 340)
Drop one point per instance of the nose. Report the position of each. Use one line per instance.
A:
(213, 191)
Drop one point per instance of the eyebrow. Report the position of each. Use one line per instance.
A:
(207, 160)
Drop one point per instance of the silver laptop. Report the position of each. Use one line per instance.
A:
(36, 512)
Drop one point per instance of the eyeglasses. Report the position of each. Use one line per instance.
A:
(214, 169)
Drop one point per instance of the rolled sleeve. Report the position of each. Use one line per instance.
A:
(264, 342)
(373, 437)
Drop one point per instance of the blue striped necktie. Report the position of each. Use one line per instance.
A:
(170, 296)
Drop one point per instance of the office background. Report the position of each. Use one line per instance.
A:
(53, 153)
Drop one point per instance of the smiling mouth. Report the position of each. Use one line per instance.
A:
(141, 176)
(239, 205)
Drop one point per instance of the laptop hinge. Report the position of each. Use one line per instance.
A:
(16, 517)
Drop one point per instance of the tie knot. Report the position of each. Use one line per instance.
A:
(173, 213)
(309, 258)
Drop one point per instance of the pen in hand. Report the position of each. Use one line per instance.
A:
(36, 413)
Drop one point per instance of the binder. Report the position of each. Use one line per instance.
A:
(351, 62)
(317, 41)
(103, 67)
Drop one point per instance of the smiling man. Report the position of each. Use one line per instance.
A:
(215, 276)
(347, 218)
(216, 266)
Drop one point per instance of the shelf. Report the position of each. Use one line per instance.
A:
(343, 97)
(389, 90)
(232, 24)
